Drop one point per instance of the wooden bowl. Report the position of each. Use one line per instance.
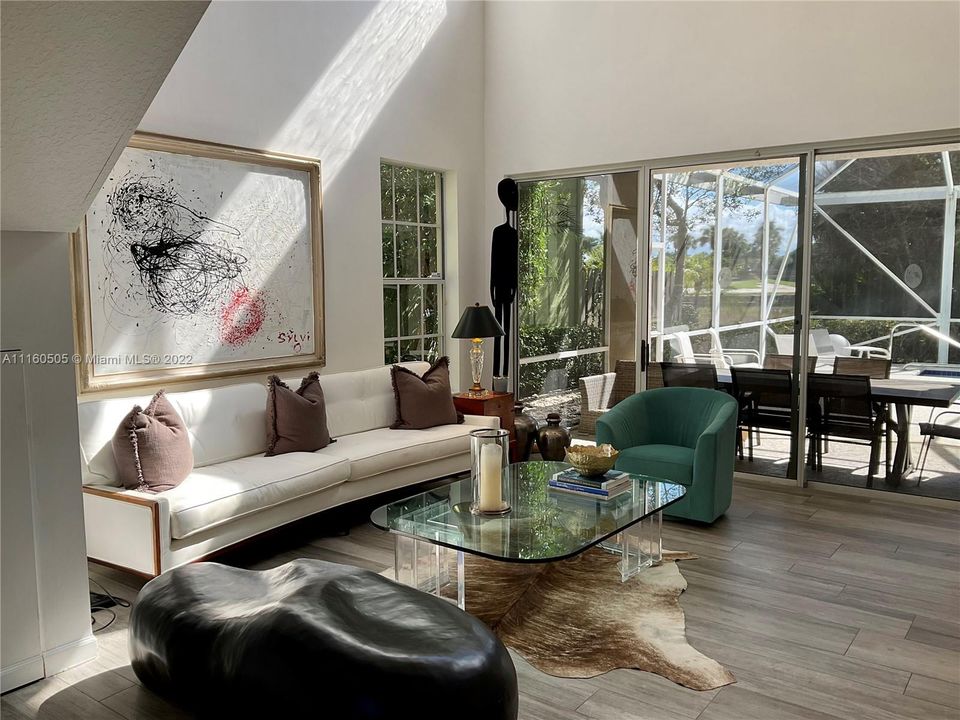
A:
(592, 461)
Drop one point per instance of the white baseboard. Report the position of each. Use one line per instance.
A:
(66, 656)
(21, 673)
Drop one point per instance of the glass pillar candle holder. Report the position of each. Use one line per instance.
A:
(489, 452)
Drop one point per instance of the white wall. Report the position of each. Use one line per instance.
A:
(76, 79)
(347, 83)
(37, 318)
(21, 659)
(572, 84)
(480, 92)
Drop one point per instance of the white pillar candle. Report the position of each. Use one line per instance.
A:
(491, 536)
(491, 465)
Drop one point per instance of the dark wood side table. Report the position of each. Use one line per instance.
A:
(493, 404)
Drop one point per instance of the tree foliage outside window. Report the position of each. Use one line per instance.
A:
(900, 235)
(412, 249)
(851, 267)
(562, 283)
(691, 199)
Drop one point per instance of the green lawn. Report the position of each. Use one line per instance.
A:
(754, 284)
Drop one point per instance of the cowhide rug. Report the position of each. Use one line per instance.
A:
(575, 618)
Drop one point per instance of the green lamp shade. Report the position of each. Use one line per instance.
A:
(477, 322)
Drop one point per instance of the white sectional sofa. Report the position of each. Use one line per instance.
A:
(234, 492)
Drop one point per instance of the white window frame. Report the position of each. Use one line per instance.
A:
(437, 279)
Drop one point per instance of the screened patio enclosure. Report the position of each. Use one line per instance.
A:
(721, 270)
(884, 256)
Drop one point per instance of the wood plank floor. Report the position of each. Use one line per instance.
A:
(823, 606)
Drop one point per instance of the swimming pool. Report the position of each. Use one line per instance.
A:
(939, 372)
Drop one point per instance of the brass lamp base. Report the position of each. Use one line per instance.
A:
(476, 365)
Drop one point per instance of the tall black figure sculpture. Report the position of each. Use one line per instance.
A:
(503, 272)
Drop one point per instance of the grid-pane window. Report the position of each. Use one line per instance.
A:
(412, 241)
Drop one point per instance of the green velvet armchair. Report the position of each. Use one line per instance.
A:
(684, 434)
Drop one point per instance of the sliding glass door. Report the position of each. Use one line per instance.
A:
(722, 285)
(876, 404)
(884, 302)
(576, 301)
(820, 287)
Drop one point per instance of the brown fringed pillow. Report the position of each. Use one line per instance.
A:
(152, 447)
(296, 421)
(424, 402)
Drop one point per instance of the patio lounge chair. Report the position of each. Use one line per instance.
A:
(826, 346)
(843, 348)
(679, 339)
(825, 358)
(739, 357)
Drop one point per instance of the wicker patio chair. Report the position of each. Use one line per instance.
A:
(595, 394)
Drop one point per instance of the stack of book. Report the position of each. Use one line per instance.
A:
(602, 487)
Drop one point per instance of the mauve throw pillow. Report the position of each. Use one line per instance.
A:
(296, 421)
(152, 447)
(424, 402)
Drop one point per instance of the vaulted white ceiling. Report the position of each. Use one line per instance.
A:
(76, 78)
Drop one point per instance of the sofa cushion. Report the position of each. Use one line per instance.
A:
(97, 424)
(424, 401)
(227, 422)
(219, 493)
(362, 400)
(670, 462)
(224, 423)
(151, 447)
(296, 419)
(382, 450)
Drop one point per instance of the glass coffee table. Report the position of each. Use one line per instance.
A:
(434, 529)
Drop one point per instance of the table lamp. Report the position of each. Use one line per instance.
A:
(477, 323)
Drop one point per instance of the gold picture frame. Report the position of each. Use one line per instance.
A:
(89, 381)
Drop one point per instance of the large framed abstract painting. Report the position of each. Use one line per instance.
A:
(198, 260)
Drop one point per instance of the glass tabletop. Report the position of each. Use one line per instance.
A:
(542, 524)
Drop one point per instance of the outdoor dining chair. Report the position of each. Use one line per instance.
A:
(775, 361)
(840, 409)
(935, 429)
(700, 375)
(876, 368)
(764, 398)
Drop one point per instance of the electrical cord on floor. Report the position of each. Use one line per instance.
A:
(93, 619)
(102, 603)
(117, 600)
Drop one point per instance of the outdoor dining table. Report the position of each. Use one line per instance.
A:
(903, 394)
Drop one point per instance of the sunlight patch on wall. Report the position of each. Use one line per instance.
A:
(338, 111)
